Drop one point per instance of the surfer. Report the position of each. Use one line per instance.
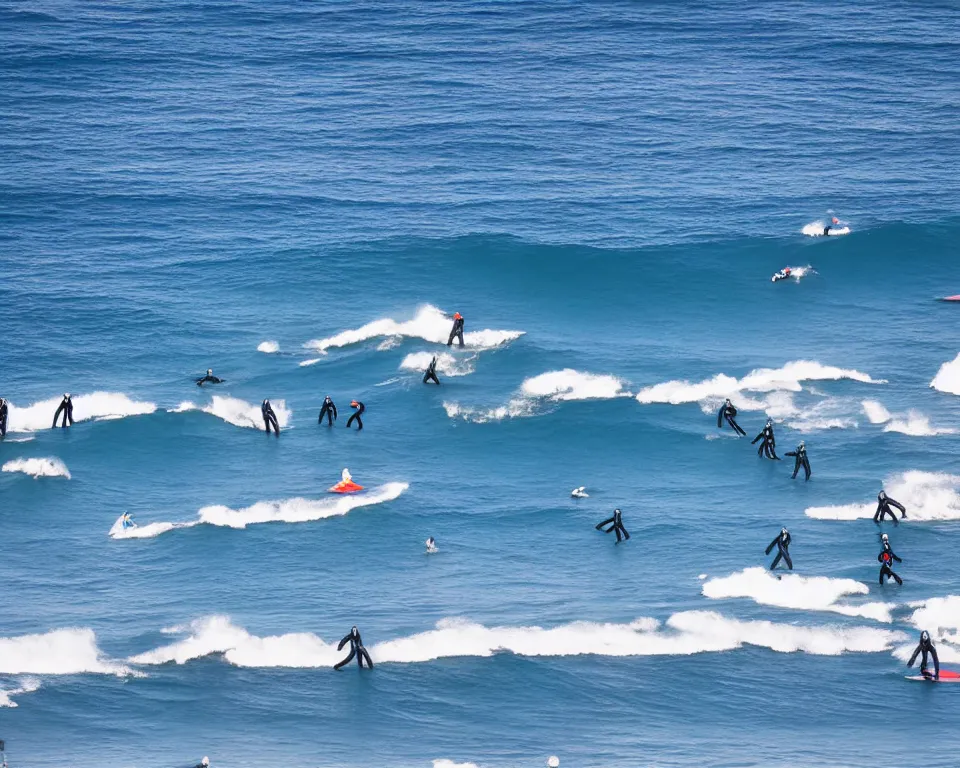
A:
(833, 223)
(329, 410)
(209, 379)
(3, 417)
(884, 503)
(126, 521)
(457, 331)
(204, 763)
(729, 412)
(431, 372)
(782, 543)
(66, 408)
(580, 493)
(886, 558)
(431, 546)
(616, 524)
(269, 417)
(783, 274)
(925, 647)
(768, 447)
(356, 649)
(801, 460)
(359, 408)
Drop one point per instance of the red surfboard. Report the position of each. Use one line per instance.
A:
(946, 676)
(951, 298)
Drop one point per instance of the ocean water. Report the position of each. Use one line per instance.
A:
(298, 195)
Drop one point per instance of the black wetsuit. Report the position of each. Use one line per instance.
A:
(456, 332)
(728, 412)
(883, 508)
(66, 408)
(360, 408)
(431, 372)
(3, 417)
(782, 543)
(269, 418)
(209, 379)
(886, 558)
(616, 524)
(356, 649)
(826, 229)
(801, 460)
(768, 447)
(329, 410)
(926, 647)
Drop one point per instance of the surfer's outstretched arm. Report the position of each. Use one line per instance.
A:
(771, 545)
(916, 652)
(898, 505)
(758, 438)
(341, 664)
(605, 522)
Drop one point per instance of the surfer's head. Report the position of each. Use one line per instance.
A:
(209, 371)
(354, 631)
(882, 495)
(66, 395)
(457, 316)
(924, 637)
(835, 220)
(884, 538)
(784, 531)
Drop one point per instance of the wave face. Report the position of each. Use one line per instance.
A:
(928, 496)
(430, 324)
(710, 393)
(913, 423)
(97, 406)
(58, 652)
(46, 467)
(790, 590)
(447, 364)
(685, 633)
(238, 412)
(948, 377)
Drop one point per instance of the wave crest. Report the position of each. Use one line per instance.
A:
(570, 384)
(58, 652)
(98, 406)
(948, 377)
(40, 467)
(926, 495)
(238, 412)
(26, 685)
(912, 423)
(447, 364)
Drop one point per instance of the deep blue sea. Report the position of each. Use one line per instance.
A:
(299, 195)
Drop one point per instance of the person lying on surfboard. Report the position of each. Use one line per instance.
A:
(925, 646)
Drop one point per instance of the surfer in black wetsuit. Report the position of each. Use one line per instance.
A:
(616, 524)
(768, 447)
(204, 763)
(356, 649)
(782, 543)
(833, 222)
(359, 408)
(209, 379)
(728, 412)
(3, 417)
(886, 558)
(329, 410)
(66, 408)
(884, 503)
(431, 372)
(457, 331)
(925, 646)
(269, 417)
(800, 460)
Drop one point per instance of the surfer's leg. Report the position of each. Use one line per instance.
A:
(619, 537)
(346, 661)
(896, 578)
(787, 560)
(806, 468)
(350, 420)
(366, 658)
(460, 338)
(796, 468)
(626, 533)
(776, 560)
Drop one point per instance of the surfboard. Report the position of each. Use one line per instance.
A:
(345, 486)
(946, 676)
(951, 298)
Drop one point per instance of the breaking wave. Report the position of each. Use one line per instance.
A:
(940, 616)
(815, 229)
(789, 590)
(268, 347)
(926, 495)
(46, 467)
(444, 763)
(98, 406)
(948, 377)
(430, 324)
(295, 510)
(238, 412)
(447, 364)
(58, 652)
(912, 423)
(26, 685)
(684, 633)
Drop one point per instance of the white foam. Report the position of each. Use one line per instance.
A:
(789, 378)
(58, 652)
(926, 495)
(570, 384)
(948, 377)
(311, 361)
(45, 467)
(940, 616)
(148, 531)
(911, 423)
(815, 229)
(444, 763)
(684, 633)
(26, 685)
(430, 324)
(516, 408)
(790, 590)
(98, 406)
(268, 347)
(447, 364)
(827, 414)
(238, 412)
